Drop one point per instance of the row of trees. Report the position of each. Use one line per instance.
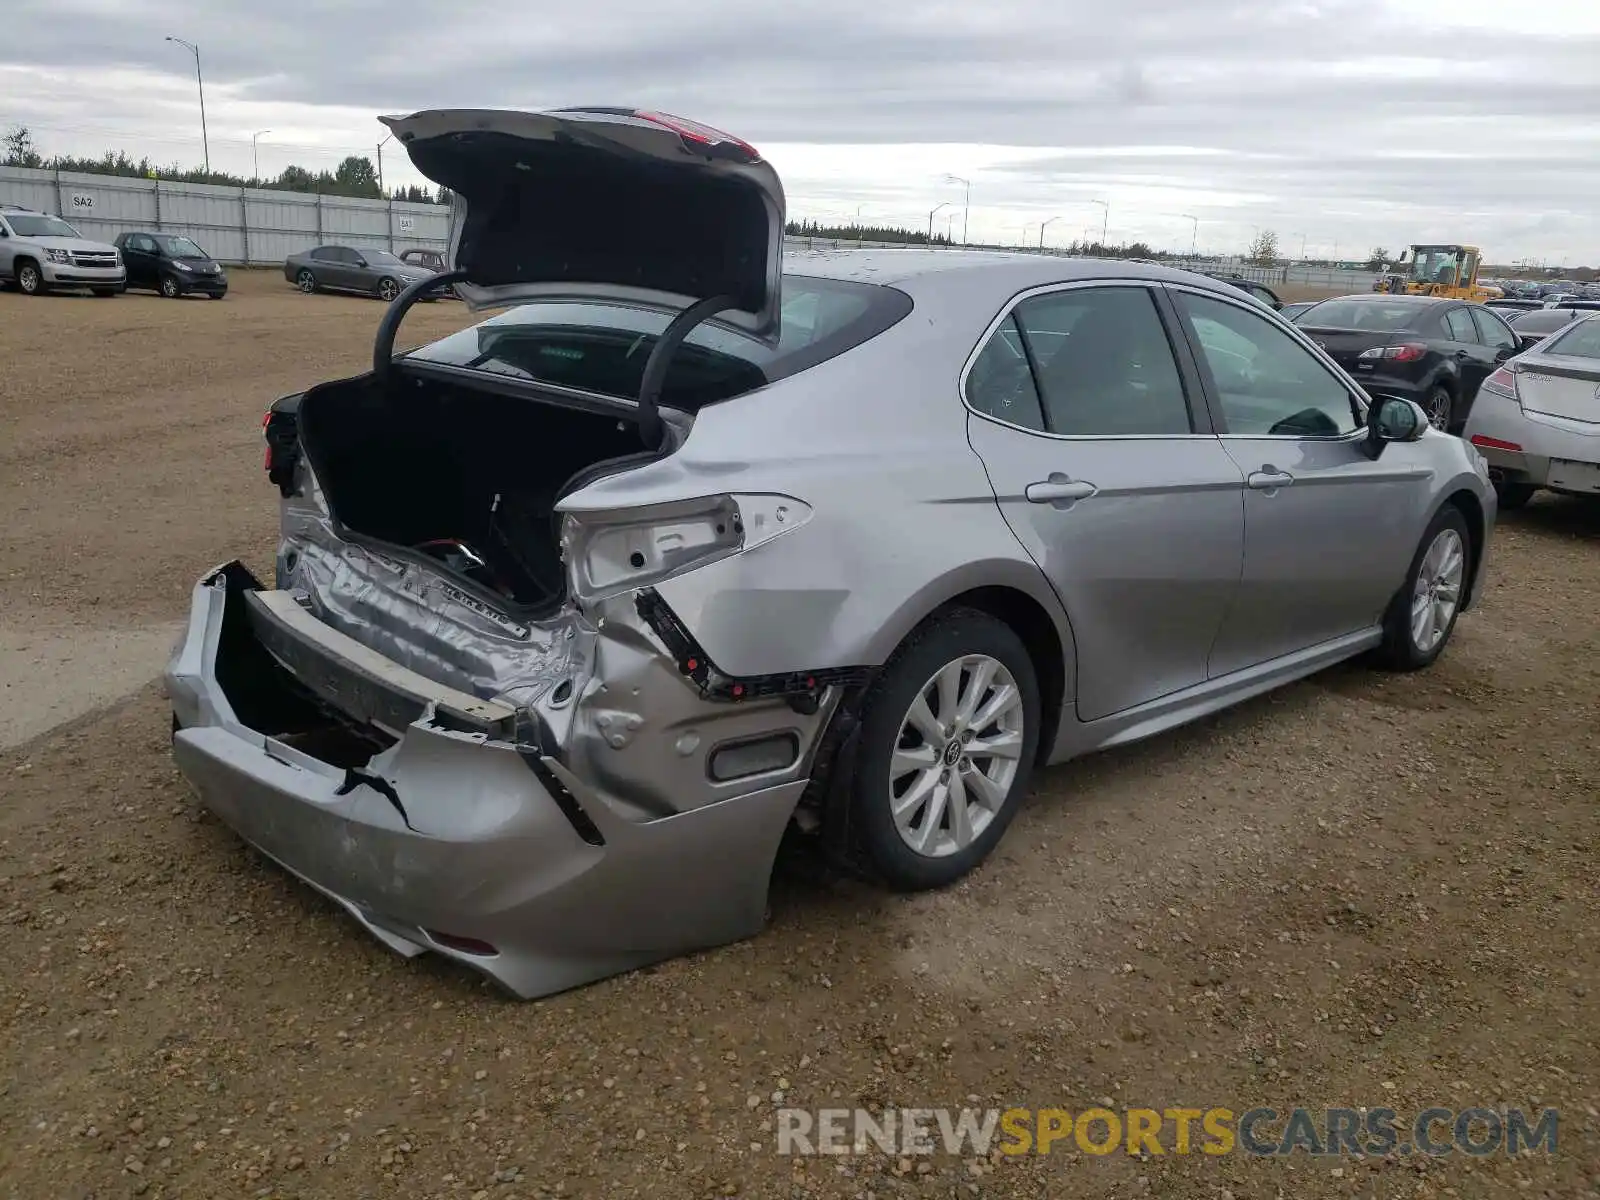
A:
(355, 176)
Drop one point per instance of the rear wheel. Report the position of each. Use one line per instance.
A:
(170, 288)
(1439, 408)
(948, 740)
(306, 282)
(30, 282)
(388, 289)
(1423, 613)
(1513, 495)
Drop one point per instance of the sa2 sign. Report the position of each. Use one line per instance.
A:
(82, 202)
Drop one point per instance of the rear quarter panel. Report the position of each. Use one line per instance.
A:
(903, 518)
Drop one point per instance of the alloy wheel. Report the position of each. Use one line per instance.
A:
(1437, 593)
(957, 755)
(169, 288)
(28, 279)
(388, 289)
(1439, 410)
(307, 282)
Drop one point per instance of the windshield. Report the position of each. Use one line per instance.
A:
(375, 257)
(1543, 320)
(602, 347)
(1436, 264)
(39, 225)
(179, 247)
(1359, 314)
(1581, 341)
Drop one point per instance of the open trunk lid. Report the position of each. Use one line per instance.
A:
(609, 203)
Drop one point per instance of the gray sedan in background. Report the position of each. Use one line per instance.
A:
(577, 611)
(1537, 419)
(348, 269)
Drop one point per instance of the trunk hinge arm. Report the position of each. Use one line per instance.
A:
(383, 347)
(651, 428)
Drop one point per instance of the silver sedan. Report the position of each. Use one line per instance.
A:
(1537, 419)
(576, 612)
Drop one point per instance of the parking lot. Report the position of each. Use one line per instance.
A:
(1362, 890)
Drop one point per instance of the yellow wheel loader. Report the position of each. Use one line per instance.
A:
(1450, 271)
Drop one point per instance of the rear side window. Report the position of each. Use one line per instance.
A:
(602, 347)
(1492, 331)
(1581, 341)
(1083, 362)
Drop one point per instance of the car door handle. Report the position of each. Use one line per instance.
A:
(1058, 489)
(1463, 354)
(1268, 479)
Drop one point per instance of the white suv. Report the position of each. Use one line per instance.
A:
(39, 252)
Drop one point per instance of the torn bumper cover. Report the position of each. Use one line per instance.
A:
(455, 828)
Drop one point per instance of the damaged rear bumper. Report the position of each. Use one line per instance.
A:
(459, 829)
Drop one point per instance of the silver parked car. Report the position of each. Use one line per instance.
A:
(577, 611)
(348, 269)
(1537, 419)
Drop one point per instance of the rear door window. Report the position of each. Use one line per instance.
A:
(1458, 322)
(1492, 331)
(1000, 383)
(1104, 365)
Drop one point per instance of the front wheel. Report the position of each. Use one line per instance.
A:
(948, 739)
(30, 282)
(306, 282)
(170, 287)
(388, 289)
(1423, 613)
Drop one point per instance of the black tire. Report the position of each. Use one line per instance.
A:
(388, 289)
(30, 280)
(170, 287)
(218, 295)
(306, 281)
(1440, 407)
(1513, 496)
(1400, 650)
(943, 641)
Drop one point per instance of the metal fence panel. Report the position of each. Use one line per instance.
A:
(235, 225)
(261, 225)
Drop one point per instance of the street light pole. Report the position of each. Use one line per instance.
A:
(966, 202)
(380, 161)
(1042, 226)
(205, 141)
(1105, 222)
(1194, 233)
(931, 215)
(255, 155)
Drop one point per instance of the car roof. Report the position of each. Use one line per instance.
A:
(952, 267)
(1388, 298)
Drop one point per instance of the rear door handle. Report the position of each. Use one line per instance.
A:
(1058, 489)
(1268, 479)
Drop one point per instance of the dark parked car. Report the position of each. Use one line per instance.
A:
(432, 260)
(1250, 287)
(171, 264)
(1425, 348)
(1533, 327)
(345, 269)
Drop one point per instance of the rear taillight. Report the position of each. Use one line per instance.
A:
(1404, 352)
(1503, 383)
(265, 421)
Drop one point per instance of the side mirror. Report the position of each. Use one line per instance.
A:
(1392, 419)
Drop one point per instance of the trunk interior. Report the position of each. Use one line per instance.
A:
(463, 475)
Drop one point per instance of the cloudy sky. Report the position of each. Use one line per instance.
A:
(1338, 124)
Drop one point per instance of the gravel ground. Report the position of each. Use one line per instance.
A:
(1362, 890)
